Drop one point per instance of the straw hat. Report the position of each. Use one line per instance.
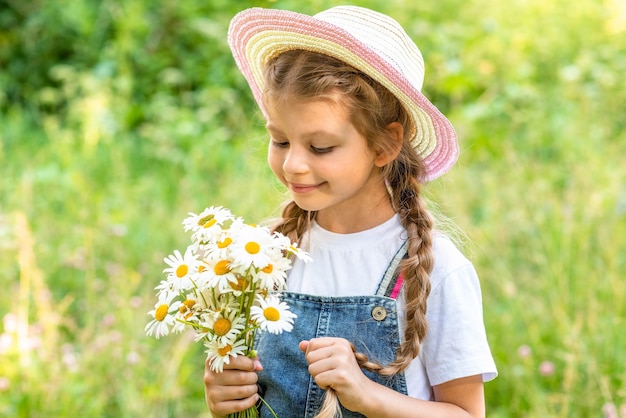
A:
(367, 40)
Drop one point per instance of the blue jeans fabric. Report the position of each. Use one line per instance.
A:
(369, 322)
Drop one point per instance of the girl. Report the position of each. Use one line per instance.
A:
(389, 312)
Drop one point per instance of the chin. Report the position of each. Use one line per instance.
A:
(308, 206)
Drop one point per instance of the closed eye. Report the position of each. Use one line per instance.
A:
(324, 150)
(280, 144)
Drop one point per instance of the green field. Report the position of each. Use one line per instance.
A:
(119, 117)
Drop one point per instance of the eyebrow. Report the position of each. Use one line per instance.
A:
(309, 135)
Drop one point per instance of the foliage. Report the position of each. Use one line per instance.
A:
(117, 117)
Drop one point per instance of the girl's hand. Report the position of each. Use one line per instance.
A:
(234, 389)
(333, 365)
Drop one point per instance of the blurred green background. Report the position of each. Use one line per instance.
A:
(119, 117)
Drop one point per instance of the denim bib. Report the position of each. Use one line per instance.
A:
(369, 322)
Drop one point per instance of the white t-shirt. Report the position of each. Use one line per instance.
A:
(456, 344)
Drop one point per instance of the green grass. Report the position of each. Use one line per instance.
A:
(120, 129)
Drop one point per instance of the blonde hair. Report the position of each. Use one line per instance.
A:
(371, 108)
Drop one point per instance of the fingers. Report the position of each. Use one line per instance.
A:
(234, 389)
(317, 349)
(238, 363)
(223, 408)
(331, 360)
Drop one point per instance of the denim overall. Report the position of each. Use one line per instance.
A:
(369, 322)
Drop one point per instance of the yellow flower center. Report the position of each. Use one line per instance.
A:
(181, 271)
(161, 312)
(224, 350)
(186, 306)
(221, 267)
(225, 243)
(207, 222)
(271, 314)
(201, 268)
(253, 247)
(238, 285)
(268, 269)
(221, 326)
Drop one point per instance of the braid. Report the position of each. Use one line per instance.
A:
(295, 222)
(416, 268)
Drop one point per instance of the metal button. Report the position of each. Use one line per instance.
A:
(379, 313)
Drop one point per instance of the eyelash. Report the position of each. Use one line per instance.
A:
(315, 150)
(280, 144)
(321, 150)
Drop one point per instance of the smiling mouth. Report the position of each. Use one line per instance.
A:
(302, 188)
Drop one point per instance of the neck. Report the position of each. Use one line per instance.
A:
(354, 218)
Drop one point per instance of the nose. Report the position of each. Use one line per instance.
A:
(295, 161)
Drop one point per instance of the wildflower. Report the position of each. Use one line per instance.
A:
(222, 246)
(220, 354)
(208, 223)
(5, 384)
(252, 246)
(272, 315)
(293, 248)
(609, 410)
(218, 273)
(524, 351)
(273, 276)
(546, 368)
(227, 327)
(162, 314)
(187, 312)
(180, 269)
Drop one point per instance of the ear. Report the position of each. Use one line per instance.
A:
(395, 133)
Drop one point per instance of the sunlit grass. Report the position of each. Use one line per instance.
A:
(91, 199)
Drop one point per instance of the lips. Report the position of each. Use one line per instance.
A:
(302, 188)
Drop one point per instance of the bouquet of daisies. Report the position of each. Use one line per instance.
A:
(225, 287)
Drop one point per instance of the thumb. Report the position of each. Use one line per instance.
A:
(304, 345)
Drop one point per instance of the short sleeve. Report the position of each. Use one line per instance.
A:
(456, 344)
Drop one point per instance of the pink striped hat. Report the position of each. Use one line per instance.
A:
(367, 40)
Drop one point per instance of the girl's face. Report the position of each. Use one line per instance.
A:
(327, 165)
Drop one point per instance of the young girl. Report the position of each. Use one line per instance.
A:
(389, 316)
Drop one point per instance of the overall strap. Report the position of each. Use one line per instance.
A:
(392, 281)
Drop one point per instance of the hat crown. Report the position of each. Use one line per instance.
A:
(383, 35)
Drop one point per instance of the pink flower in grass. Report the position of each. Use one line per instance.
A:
(524, 351)
(546, 368)
(609, 410)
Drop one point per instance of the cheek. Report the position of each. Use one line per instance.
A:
(275, 162)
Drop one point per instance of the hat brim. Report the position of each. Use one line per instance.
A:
(257, 35)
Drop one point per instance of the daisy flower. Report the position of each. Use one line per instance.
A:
(188, 312)
(272, 315)
(162, 314)
(208, 223)
(227, 327)
(218, 273)
(274, 274)
(165, 288)
(181, 268)
(252, 246)
(221, 247)
(299, 252)
(220, 354)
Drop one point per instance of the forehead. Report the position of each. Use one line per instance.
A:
(305, 118)
(306, 109)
